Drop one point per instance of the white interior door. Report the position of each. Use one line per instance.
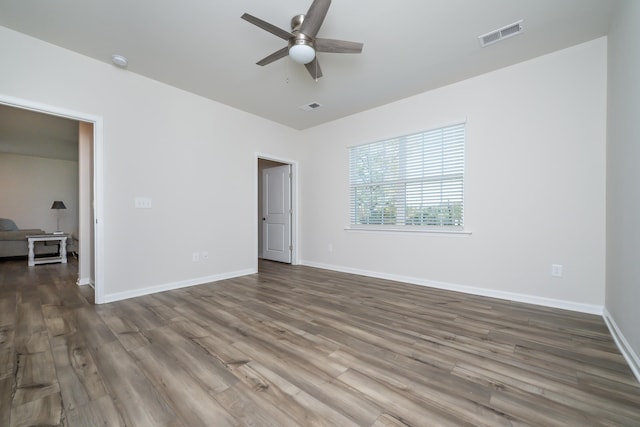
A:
(276, 214)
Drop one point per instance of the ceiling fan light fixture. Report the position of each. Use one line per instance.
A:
(302, 53)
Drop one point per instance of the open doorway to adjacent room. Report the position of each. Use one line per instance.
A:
(52, 154)
(276, 216)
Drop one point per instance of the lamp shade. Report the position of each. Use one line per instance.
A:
(58, 204)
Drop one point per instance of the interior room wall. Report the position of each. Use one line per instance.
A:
(29, 187)
(623, 176)
(534, 185)
(194, 158)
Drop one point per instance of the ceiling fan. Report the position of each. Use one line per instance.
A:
(302, 42)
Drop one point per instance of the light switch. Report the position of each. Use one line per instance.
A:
(143, 203)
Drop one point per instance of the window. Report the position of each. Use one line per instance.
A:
(410, 182)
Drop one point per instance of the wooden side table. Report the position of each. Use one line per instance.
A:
(62, 252)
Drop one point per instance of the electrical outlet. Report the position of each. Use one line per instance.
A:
(195, 257)
(556, 270)
(330, 247)
(205, 255)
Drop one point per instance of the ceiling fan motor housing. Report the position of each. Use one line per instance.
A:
(296, 21)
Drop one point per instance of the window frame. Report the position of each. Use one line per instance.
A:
(435, 215)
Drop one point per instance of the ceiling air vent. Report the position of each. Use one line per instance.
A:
(309, 107)
(501, 34)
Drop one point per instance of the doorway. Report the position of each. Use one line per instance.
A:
(276, 215)
(89, 192)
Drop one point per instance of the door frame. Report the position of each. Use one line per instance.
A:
(97, 121)
(294, 203)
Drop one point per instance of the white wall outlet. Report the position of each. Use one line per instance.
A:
(556, 270)
(143, 203)
(204, 255)
(195, 257)
(330, 247)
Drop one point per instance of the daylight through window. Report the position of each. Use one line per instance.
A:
(413, 181)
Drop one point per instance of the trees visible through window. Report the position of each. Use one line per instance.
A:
(410, 181)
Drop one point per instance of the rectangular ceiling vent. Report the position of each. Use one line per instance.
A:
(311, 106)
(500, 34)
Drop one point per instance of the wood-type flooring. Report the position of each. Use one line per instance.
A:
(298, 346)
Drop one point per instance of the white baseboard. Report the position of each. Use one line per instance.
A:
(623, 345)
(175, 285)
(84, 281)
(511, 296)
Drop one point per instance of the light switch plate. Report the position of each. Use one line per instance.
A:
(143, 203)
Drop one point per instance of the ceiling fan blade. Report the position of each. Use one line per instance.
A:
(314, 69)
(337, 46)
(314, 17)
(274, 56)
(286, 35)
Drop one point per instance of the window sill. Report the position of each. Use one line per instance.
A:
(409, 231)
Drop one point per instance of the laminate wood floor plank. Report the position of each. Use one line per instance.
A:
(60, 320)
(570, 400)
(90, 325)
(251, 409)
(29, 320)
(276, 391)
(193, 404)
(80, 382)
(99, 412)
(400, 404)
(124, 329)
(88, 294)
(8, 353)
(46, 411)
(49, 294)
(460, 399)
(299, 346)
(386, 420)
(7, 311)
(316, 411)
(137, 313)
(558, 363)
(581, 353)
(196, 361)
(138, 401)
(36, 376)
(318, 385)
(308, 373)
(6, 391)
(405, 372)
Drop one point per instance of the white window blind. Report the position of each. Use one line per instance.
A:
(413, 181)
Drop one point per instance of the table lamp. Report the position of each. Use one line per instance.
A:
(57, 205)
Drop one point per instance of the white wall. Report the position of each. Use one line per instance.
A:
(28, 187)
(623, 177)
(535, 184)
(194, 157)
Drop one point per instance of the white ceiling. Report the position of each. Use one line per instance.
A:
(410, 46)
